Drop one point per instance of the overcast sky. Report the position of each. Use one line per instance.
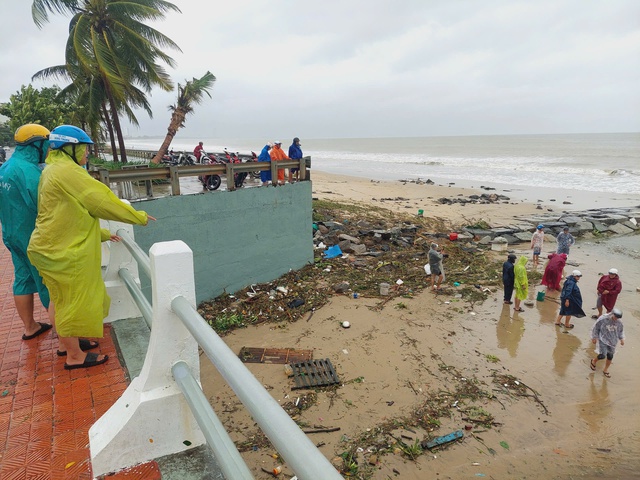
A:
(376, 68)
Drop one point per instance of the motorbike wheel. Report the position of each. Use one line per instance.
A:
(255, 174)
(213, 182)
(239, 180)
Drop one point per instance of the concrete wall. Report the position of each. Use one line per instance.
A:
(247, 236)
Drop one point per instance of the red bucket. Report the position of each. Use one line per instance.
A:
(453, 236)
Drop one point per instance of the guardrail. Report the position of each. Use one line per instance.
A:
(164, 411)
(173, 173)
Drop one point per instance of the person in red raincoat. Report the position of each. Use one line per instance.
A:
(277, 154)
(609, 286)
(553, 271)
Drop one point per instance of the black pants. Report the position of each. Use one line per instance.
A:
(508, 291)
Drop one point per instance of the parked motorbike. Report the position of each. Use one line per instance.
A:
(228, 157)
(209, 182)
(174, 159)
(254, 158)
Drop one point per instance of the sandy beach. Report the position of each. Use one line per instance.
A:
(396, 362)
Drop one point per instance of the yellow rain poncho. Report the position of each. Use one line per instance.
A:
(521, 282)
(65, 245)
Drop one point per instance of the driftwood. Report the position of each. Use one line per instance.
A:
(322, 430)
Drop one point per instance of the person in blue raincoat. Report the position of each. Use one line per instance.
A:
(570, 300)
(19, 178)
(265, 175)
(295, 153)
(65, 245)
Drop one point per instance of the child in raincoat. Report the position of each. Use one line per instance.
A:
(521, 282)
(65, 245)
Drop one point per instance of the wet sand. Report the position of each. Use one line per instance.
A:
(591, 429)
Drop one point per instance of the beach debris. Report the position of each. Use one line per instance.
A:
(298, 302)
(504, 445)
(346, 324)
(436, 442)
(314, 373)
(273, 355)
(333, 252)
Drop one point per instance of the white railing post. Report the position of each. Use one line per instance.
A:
(116, 256)
(152, 419)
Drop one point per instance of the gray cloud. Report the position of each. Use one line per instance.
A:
(379, 68)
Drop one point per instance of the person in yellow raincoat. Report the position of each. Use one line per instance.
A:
(65, 245)
(521, 282)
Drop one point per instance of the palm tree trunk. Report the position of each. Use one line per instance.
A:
(177, 119)
(107, 120)
(116, 122)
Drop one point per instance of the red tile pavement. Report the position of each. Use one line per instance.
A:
(45, 410)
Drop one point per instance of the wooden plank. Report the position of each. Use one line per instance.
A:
(274, 355)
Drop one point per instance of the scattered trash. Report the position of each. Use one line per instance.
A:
(468, 427)
(296, 303)
(540, 296)
(384, 289)
(288, 370)
(345, 351)
(453, 436)
(399, 282)
(284, 290)
(473, 314)
(346, 324)
(333, 252)
(475, 464)
(355, 295)
(504, 445)
(427, 269)
(274, 355)
(466, 268)
(456, 284)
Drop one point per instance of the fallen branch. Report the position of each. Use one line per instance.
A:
(322, 430)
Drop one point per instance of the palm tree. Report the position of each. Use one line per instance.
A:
(191, 94)
(110, 44)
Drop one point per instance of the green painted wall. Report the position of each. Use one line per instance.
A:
(247, 236)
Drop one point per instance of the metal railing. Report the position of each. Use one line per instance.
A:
(173, 173)
(162, 408)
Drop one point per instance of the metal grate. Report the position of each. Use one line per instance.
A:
(274, 355)
(314, 373)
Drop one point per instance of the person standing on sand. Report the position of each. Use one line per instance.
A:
(521, 282)
(609, 287)
(277, 154)
(537, 240)
(508, 278)
(553, 272)
(435, 264)
(565, 240)
(570, 300)
(295, 153)
(605, 334)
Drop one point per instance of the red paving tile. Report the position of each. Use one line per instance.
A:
(45, 410)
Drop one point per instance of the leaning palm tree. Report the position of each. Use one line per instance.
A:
(110, 42)
(188, 96)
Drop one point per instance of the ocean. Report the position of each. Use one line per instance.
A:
(605, 163)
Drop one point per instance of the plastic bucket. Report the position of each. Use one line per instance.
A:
(384, 289)
(453, 236)
(540, 297)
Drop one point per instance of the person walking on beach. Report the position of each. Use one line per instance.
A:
(508, 278)
(565, 240)
(605, 334)
(521, 282)
(435, 264)
(537, 240)
(277, 154)
(553, 272)
(65, 244)
(19, 179)
(609, 287)
(570, 300)
(265, 175)
(295, 153)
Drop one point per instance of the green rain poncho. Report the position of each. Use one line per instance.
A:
(65, 245)
(521, 282)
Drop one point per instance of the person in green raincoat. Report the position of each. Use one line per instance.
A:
(521, 282)
(65, 245)
(19, 178)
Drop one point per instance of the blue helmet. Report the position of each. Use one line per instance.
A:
(67, 134)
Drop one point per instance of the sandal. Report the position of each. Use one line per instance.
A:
(518, 309)
(558, 324)
(593, 365)
(570, 326)
(595, 317)
(91, 360)
(44, 327)
(508, 302)
(84, 346)
(606, 374)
